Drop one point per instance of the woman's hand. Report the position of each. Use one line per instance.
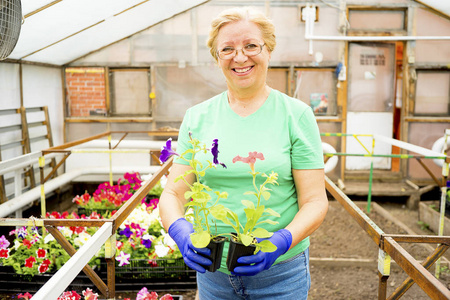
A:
(260, 261)
(180, 232)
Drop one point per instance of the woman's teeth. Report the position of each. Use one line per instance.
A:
(242, 70)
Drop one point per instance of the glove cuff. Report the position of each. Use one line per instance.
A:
(174, 228)
(287, 236)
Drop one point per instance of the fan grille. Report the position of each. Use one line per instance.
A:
(10, 22)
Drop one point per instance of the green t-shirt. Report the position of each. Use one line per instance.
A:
(283, 129)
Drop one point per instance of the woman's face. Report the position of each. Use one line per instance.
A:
(243, 72)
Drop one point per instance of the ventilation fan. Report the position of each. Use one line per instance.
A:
(10, 22)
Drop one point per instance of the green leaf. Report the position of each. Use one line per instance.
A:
(267, 246)
(200, 239)
(272, 212)
(251, 193)
(262, 233)
(271, 222)
(246, 239)
(188, 195)
(266, 195)
(248, 204)
(219, 212)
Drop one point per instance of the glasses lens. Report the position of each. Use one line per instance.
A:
(248, 50)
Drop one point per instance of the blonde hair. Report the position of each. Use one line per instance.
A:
(241, 14)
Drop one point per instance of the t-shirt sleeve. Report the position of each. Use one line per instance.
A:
(306, 150)
(183, 139)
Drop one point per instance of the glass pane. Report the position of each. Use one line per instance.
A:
(321, 97)
(130, 93)
(371, 77)
(432, 93)
(377, 20)
(177, 89)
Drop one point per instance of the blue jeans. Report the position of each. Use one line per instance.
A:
(288, 279)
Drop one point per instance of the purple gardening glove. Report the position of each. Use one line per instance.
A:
(264, 260)
(180, 232)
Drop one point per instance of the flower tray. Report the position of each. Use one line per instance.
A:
(11, 282)
(163, 274)
(100, 211)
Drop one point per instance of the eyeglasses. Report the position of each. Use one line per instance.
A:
(248, 50)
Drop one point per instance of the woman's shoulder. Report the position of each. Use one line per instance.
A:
(289, 103)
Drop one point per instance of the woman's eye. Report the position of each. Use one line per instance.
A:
(227, 50)
(251, 46)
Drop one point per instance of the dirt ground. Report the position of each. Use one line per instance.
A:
(341, 238)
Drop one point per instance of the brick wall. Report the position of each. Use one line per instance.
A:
(85, 91)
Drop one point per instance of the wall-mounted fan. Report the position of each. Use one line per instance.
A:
(10, 22)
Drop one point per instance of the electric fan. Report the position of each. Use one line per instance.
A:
(10, 22)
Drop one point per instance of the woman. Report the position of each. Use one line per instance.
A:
(251, 116)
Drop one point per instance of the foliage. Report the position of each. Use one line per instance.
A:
(247, 233)
(200, 207)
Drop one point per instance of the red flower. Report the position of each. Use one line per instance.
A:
(167, 297)
(41, 253)
(43, 268)
(29, 262)
(77, 229)
(27, 243)
(4, 253)
(46, 262)
(26, 296)
(65, 215)
(71, 295)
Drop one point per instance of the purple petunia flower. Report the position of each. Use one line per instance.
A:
(146, 241)
(4, 243)
(215, 153)
(166, 151)
(126, 232)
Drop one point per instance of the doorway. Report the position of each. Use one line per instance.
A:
(371, 100)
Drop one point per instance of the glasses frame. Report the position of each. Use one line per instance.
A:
(242, 50)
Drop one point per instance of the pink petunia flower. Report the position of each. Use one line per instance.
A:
(144, 294)
(251, 159)
(4, 243)
(123, 259)
(26, 296)
(89, 294)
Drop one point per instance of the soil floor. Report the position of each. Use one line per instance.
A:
(352, 273)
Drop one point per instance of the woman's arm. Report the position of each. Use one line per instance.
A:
(172, 201)
(312, 203)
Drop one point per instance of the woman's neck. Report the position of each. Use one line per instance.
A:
(245, 103)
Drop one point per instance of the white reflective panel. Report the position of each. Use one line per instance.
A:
(111, 30)
(62, 20)
(29, 6)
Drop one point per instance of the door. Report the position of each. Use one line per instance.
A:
(370, 101)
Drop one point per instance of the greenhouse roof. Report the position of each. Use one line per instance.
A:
(58, 32)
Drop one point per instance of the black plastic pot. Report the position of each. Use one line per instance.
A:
(237, 250)
(216, 247)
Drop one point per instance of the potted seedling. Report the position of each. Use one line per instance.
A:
(244, 239)
(201, 205)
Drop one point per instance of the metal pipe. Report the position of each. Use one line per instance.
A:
(12, 205)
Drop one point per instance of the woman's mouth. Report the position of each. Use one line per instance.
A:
(242, 71)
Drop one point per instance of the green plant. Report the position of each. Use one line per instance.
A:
(247, 234)
(200, 207)
(423, 225)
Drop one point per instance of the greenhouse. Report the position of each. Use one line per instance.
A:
(136, 134)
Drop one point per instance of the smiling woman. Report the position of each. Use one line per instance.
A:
(251, 117)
